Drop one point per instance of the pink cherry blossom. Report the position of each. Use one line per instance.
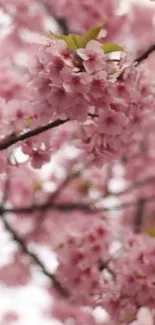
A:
(119, 105)
(75, 81)
(84, 255)
(77, 161)
(20, 273)
(64, 312)
(112, 123)
(93, 57)
(134, 286)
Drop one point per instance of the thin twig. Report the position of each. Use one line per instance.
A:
(93, 115)
(68, 207)
(61, 21)
(105, 266)
(53, 196)
(9, 141)
(64, 183)
(6, 188)
(33, 257)
(129, 204)
(145, 55)
(138, 219)
(49, 205)
(21, 243)
(63, 24)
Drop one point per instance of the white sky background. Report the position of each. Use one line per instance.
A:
(30, 300)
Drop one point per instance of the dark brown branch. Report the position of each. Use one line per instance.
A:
(49, 205)
(32, 256)
(61, 21)
(21, 243)
(67, 207)
(105, 266)
(145, 55)
(9, 141)
(63, 24)
(93, 115)
(52, 197)
(128, 204)
(138, 219)
(65, 182)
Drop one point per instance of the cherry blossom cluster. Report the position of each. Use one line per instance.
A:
(81, 259)
(64, 312)
(77, 121)
(132, 286)
(110, 100)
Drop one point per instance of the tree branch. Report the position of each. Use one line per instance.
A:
(145, 55)
(9, 141)
(21, 243)
(52, 197)
(48, 205)
(33, 257)
(67, 207)
(105, 265)
(128, 204)
(61, 21)
(138, 219)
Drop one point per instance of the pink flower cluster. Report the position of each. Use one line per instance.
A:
(75, 108)
(20, 272)
(80, 259)
(134, 284)
(109, 99)
(65, 312)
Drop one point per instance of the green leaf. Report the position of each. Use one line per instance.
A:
(93, 33)
(111, 47)
(73, 41)
(78, 40)
(150, 231)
